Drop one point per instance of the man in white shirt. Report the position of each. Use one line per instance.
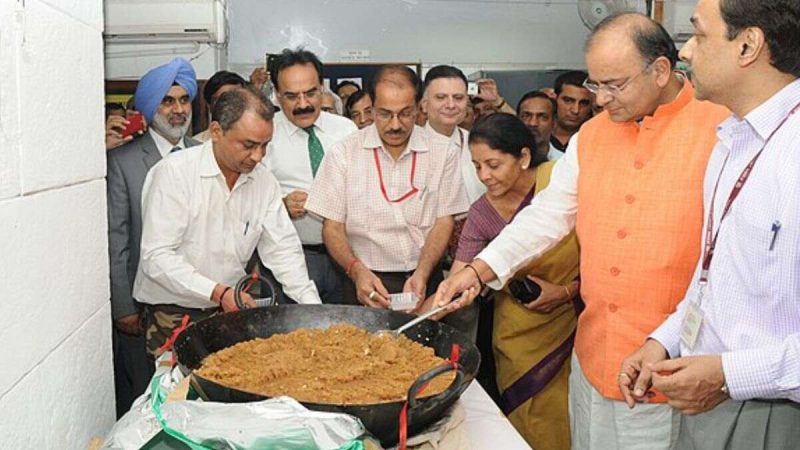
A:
(204, 212)
(445, 101)
(537, 111)
(303, 133)
(164, 97)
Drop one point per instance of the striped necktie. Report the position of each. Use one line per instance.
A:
(315, 151)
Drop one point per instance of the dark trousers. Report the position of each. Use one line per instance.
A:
(132, 369)
(464, 320)
(325, 273)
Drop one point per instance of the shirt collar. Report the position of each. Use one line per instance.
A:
(164, 146)
(455, 139)
(762, 120)
(321, 124)
(209, 168)
(669, 109)
(768, 115)
(416, 143)
(208, 163)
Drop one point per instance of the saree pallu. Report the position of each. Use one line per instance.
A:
(532, 349)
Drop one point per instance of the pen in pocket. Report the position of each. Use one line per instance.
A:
(776, 226)
(246, 226)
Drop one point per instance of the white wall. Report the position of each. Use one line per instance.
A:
(56, 388)
(470, 34)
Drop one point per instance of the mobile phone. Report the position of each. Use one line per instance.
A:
(525, 290)
(472, 88)
(135, 124)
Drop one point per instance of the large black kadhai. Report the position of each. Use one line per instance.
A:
(381, 419)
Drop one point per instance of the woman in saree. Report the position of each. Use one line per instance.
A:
(532, 340)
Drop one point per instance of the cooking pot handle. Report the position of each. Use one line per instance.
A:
(425, 378)
(241, 286)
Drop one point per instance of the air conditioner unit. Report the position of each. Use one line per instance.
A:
(676, 19)
(164, 21)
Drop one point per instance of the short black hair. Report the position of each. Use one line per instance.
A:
(778, 19)
(219, 79)
(231, 105)
(506, 133)
(346, 83)
(649, 37)
(353, 99)
(390, 73)
(288, 58)
(571, 78)
(114, 107)
(537, 94)
(444, 71)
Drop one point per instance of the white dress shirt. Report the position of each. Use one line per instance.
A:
(459, 141)
(197, 233)
(287, 157)
(164, 146)
(554, 153)
(751, 305)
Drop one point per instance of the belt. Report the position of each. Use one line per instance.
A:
(316, 248)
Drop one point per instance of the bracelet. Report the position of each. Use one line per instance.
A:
(501, 104)
(351, 266)
(477, 275)
(224, 291)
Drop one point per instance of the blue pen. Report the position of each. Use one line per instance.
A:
(776, 226)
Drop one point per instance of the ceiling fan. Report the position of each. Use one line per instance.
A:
(594, 11)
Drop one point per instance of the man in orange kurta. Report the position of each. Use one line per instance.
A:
(631, 185)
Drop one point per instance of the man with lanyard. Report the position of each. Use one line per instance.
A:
(204, 211)
(630, 184)
(303, 134)
(388, 194)
(445, 98)
(735, 338)
(164, 97)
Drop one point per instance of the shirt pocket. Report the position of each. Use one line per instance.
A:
(247, 235)
(420, 210)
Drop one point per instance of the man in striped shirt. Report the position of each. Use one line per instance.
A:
(734, 341)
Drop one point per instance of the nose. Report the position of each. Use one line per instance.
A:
(602, 98)
(686, 51)
(178, 108)
(394, 123)
(302, 102)
(259, 154)
(484, 174)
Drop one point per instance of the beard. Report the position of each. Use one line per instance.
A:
(169, 131)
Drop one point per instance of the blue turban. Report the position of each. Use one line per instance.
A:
(155, 84)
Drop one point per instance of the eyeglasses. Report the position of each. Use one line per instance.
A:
(406, 114)
(170, 101)
(310, 94)
(610, 89)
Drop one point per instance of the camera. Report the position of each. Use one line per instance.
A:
(525, 290)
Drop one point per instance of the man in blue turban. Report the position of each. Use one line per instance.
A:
(164, 97)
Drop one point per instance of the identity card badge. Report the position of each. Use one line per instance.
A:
(690, 328)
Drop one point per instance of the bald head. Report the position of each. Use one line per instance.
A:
(646, 36)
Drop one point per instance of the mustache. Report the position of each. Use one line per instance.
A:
(306, 110)
(397, 132)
